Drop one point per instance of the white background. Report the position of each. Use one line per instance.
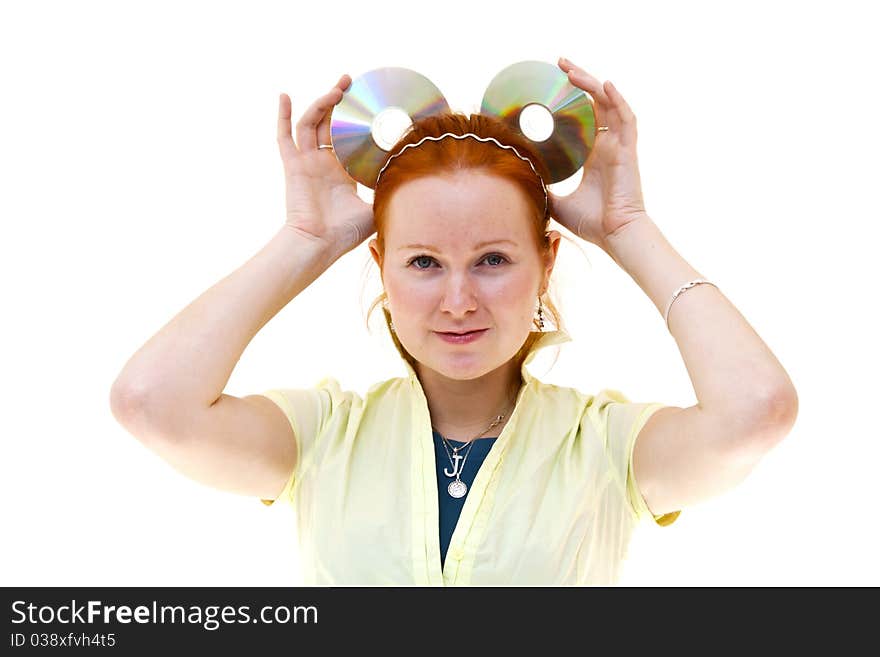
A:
(139, 166)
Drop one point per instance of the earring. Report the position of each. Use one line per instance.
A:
(385, 306)
(540, 314)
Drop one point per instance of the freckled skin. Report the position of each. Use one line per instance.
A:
(459, 287)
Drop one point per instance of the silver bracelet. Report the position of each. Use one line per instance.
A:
(684, 287)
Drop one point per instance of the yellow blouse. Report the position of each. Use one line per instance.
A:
(554, 502)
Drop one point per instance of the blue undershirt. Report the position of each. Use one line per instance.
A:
(450, 507)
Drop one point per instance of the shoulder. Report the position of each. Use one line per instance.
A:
(612, 414)
(393, 388)
(603, 411)
(554, 393)
(332, 387)
(551, 393)
(549, 407)
(309, 408)
(607, 396)
(337, 395)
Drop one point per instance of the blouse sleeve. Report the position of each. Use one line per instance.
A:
(620, 422)
(309, 411)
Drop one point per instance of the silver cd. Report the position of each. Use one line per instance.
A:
(530, 93)
(375, 111)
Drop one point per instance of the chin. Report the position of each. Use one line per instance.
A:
(461, 363)
(462, 375)
(466, 366)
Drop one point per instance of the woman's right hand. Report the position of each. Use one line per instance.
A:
(322, 200)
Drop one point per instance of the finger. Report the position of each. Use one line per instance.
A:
(306, 135)
(583, 80)
(620, 105)
(285, 140)
(324, 126)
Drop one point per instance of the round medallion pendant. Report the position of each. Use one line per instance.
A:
(457, 488)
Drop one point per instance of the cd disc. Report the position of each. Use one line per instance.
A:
(525, 93)
(375, 111)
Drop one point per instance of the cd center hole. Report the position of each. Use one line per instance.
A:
(388, 127)
(536, 122)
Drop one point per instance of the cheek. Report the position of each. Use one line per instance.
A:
(517, 298)
(409, 295)
(514, 290)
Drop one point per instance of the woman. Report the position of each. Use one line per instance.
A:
(469, 471)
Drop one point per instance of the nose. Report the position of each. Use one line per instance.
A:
(459, 296)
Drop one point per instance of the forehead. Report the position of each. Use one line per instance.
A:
(464, 207)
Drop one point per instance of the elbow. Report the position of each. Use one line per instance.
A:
(134, 405)
(762, 429)
(126, 401)
(148, 413)
(776, 416)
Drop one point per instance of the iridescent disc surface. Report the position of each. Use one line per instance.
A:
(574, 120)
(371, 99)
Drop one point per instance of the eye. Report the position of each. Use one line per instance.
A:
(496, 255)
(423, 258)
(420, 257)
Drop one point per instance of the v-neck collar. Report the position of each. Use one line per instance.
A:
(471, 523)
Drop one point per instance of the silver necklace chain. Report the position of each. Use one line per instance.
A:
(457, 488)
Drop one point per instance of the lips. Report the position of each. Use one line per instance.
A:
(462, 338)
(460, 332)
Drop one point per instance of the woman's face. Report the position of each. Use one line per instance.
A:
(460, 255)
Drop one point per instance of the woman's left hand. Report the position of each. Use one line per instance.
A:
(609, 195)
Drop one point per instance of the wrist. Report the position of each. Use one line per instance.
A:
(619, 239)
(643, 252)
(313, 248)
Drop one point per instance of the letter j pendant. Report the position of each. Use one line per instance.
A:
(456, 488)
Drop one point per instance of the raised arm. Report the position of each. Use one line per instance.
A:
(170, 392)
(746, 402)
(170, 395)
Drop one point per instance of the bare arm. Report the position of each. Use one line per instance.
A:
(170, 392)
(746, 400)
(170, 395)
(734, 374)
(183, 369)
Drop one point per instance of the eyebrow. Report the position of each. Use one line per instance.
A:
(477, 246)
